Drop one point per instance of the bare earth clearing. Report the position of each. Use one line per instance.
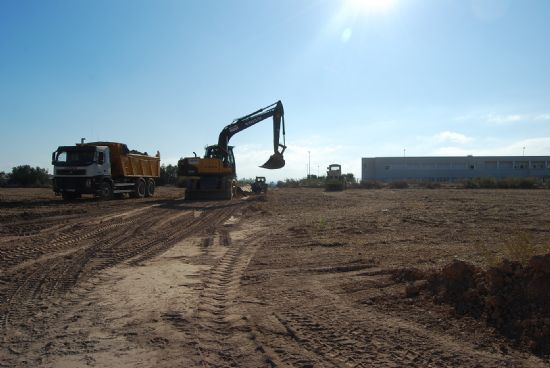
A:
(300, 278)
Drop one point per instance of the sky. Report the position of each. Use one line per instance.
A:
(357, 78)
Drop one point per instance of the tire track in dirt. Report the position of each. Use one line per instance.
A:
(340, 338)
(50, 277)
(19, 257)
(218, 330)
(329, 332)
(61, 232)
(191, 225)
(31, 285)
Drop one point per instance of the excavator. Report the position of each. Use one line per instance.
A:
(214, 176)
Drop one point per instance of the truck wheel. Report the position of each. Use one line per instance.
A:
(106, 190)
(140, 189)
(150, 188)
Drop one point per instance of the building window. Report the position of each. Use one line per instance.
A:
(521, 165)
(537, 164)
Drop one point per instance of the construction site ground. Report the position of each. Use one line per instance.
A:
(296, 278)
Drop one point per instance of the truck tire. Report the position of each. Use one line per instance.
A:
(150, 188)
(140, 189)
(106, 190)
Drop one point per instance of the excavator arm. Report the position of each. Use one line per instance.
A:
(276, 161)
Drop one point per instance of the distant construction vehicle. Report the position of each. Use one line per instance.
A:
(104, 169)
(214, 176)
(335, 180)
(259, 185)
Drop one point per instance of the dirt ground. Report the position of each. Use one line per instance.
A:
(297, 278)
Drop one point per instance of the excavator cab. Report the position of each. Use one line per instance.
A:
(214, 151)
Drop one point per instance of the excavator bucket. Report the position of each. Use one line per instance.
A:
(276, 161)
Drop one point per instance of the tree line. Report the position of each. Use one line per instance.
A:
(25, 176)
(28, 176)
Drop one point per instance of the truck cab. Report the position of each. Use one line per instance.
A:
(80, 169)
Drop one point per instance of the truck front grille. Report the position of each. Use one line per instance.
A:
(71, 171)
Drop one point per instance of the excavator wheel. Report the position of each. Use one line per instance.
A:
(228, 189)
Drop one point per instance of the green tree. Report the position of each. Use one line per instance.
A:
(4, 178)
(27, 176)
(168, 175)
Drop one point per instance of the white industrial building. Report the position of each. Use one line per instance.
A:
(453, 168)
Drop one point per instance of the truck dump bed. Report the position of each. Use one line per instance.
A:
(124, 163)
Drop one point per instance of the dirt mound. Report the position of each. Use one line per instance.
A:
(513, 298)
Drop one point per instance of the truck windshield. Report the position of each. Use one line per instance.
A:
(74, 158)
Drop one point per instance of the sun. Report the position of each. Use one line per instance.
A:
(372, 6)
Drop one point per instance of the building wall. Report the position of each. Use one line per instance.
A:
(453, 168)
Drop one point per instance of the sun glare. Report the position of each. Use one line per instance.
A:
(372, 6)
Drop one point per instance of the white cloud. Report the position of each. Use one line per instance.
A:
(448, 136)
(533, 147)
(452, 151)
(506, 119)
(542, 117)
(503, 119)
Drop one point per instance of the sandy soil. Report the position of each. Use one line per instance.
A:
(297, 278)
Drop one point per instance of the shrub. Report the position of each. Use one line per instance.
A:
(399, 185)
(470, 184)
(429, 185)
(502, 183)
(370, 184)
(518, 248)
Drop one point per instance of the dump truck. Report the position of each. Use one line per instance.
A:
(214, 176)
(335, 180)
(103, 169)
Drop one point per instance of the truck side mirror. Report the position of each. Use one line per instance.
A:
(53, 158)
(100, 158)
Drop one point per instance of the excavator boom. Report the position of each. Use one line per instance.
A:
(276, 161)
